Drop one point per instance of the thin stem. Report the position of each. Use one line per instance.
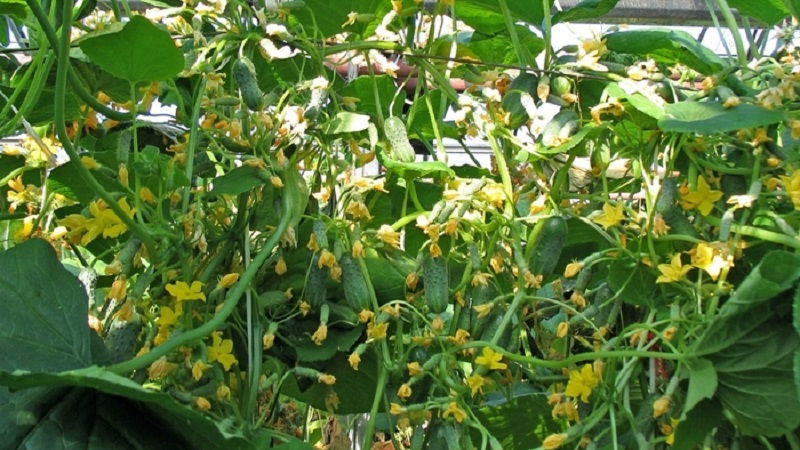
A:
(730, 21)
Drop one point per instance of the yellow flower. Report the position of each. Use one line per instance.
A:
(460, 338)
(280, 266)
(201, 403)
(102, 221)
(491, 359)
(414, 368)
(389, 236)
(481, 278)
(276, 182)
(533, 281)
(395, 409)
(358, 249)
(89, 163)
(610, 216)
(146, 195)
(223, 392)
(792, 186)
(377, 331)
(554, 441)
(198, 368)
(326, 259)
(321, 334)
(220, 350)
(703, 198)
(354, 360)
(411, 281)
(672, 272)
(268, 340)
(455, 411)
(305, 307)
(563, 329)
(325, 378)
(169, 317)
(227, 280)
(365, 315)
(581, 383)
(404, 392)
(183, 291)
(709, 257)
(483, 310)
(669, 430)
(566, 410)
(661, 406)
(475, 383)
(573, 269)
(358, 210)
(160, 368)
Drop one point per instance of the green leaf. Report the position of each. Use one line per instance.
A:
(43, 325)
(666, 46)
(13, 8)
(702, 382)
(239, 180)
(698, 423)
(796, 311)
(98, 80)
(422, 122)
(138, 51)
(797, 371)
(498, 48)
(362, 89)
(711, 117)
(587, 9)
(412, 170)
(118, 410)
(637, 100)
(634, 283)
(487, 15)
(388, 274)
(793, 6)
(326, 17)
(770, 12)
(347, 122)
(338, 340)
(519, 424)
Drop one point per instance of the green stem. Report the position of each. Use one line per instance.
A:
(376, 401)
(191, 145)
(505, 176)
(730, 21)
(758, 233)
(512, 31)
(231, 301)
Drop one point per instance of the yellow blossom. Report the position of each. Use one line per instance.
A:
(437, 324)
(169, 317)
(201, 403)
(313, 245)
(395, 409)
(404, 392)
(354, 360)
(669, 430)
(554, 441)
(491, 359)
(481, 278)
(792, 186)
(414, 368)
(365, 315)
(460, 338)
(276, 182)
(611, 216)
(435, 250)
(160, 368)
(411, 281)
(566, 410)
(305, 307)
(89, 163)
(220, 350)
(483, 310)
(475, 383)
(146, 195)
(118, 289)
(578, 300)
(227, 280)
(573, 269)
(326, 259)
(377, 331)
(102, 221)
(533, 281)
(703, 198)
(563, 329)
(198, 368)
(581, 383)
(268, 340)
(453, 410)
(451, 227)
(358, 249)
(183, 291)
(661, 406)
(280, 266)
(321, 334)
(669, 333)
(358, 210)
(389, 236)
(672, 272)
(223, 392)
(325, 378)
(709, 257)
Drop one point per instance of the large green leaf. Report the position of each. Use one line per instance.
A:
(702, 382)
(498, 48)
(115, 410)
(348, 122)
(13, 8)
(666, 46)
(487, 15)
(793, 6)
(239, 180)
(521, 423)
(634, 282)
(711, 117)
(698, 424)
(768, 11)
(365, 89)
(138, 51)
(587, 9)
(327, 16)
(43, 325)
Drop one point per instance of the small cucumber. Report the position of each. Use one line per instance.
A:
(546, 241)
(561, 86)
(234, 146)
(667, 195)
(245, 75)
(395, 130)
(356, 291)
(226, 101)
(480, 295)
(437, 285)
(317, 284)
(122, 338)
(320, 233)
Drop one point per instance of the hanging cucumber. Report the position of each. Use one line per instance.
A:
(356, 291)
(317, 284)
(395, 130)
(245, 75)
(437, 284)
(122, 338)
(546, 241)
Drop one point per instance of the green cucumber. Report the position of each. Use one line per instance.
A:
(667, 195)
(546, 241)
(316, 289)
(356, 291)
(320, 233)
(122, 338)
(245, 75)
(437, 283)
(480, 295)
(395, 130)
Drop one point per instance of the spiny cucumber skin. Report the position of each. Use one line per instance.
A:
(245, 75)
(396, 133)
(317, 284)
(480, 295)
(122, 339)
(547, 241)
(356, 291)
(437, 289)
